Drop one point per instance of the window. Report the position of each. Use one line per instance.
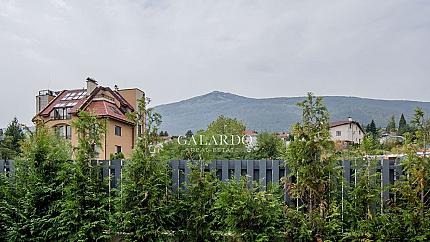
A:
(118, 149)
(68, 132)
(97, 150)
(117, 130)
(61, 113)
(64, 131)
(338, 133)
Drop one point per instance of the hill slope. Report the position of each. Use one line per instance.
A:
(275, 114)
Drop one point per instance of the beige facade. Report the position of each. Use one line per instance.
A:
(60, 111)
(347, 131)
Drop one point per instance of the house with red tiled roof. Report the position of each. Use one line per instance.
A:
(347, 131)
(58, 109)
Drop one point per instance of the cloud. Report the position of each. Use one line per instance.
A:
(177, 49)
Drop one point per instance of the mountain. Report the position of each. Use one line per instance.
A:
(275, 114)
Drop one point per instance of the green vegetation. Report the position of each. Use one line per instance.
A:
(268, 147)
(10, 142)
(391, 126)
(57, 193)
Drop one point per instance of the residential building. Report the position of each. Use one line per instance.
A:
(390, 138)
(347, 131)
(284, 136)
(250, 138)
(57, 110)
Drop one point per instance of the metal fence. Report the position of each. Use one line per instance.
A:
(263, 171)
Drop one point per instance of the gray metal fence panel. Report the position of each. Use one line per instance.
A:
(224, 170)
(262, 175)
(263, 171)
(175, 174)
(385, 178)
(275, 171)
(237, 170)
(347, 171)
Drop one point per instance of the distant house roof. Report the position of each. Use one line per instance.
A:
(249, 132)
(344, 122)
(283, 134)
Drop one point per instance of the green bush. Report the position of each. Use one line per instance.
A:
(248, 213)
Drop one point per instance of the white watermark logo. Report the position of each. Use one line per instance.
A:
(219, 139)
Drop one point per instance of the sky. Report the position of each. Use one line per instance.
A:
(177, 49)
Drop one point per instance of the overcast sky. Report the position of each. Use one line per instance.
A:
(175, 49)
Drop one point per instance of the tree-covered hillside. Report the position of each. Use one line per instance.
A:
(276, 114)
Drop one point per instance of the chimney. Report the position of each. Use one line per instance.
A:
(91, 85)
(349, 119)
(43, 99)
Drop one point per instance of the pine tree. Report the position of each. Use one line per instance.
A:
(371, 129)
(10, 145)
(391, 126)
(403, 125)
(189, 133)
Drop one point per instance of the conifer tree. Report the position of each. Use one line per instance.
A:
(37, 186)
(5, 206)
(403, 125)
(10, 145)
(310, 159)
(371, 129)
(84, 207)
(189, 133)
(142, 212)
(391, 126)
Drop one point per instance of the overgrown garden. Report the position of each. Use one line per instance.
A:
(52, 197)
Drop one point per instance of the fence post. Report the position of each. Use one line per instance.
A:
(385, 163)
(187, 172)
(398, 167)
(175, 174)
(262, 176)
(224, 170)
(250, 171)
(347, 171)
(237, 169)
(275, 171)
(11, 167)
(117, 167)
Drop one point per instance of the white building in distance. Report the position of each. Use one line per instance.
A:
(347, 131)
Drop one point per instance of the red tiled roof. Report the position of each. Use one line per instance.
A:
(105, 108)
(249, 132)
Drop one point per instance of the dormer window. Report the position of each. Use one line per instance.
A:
(60, 113)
